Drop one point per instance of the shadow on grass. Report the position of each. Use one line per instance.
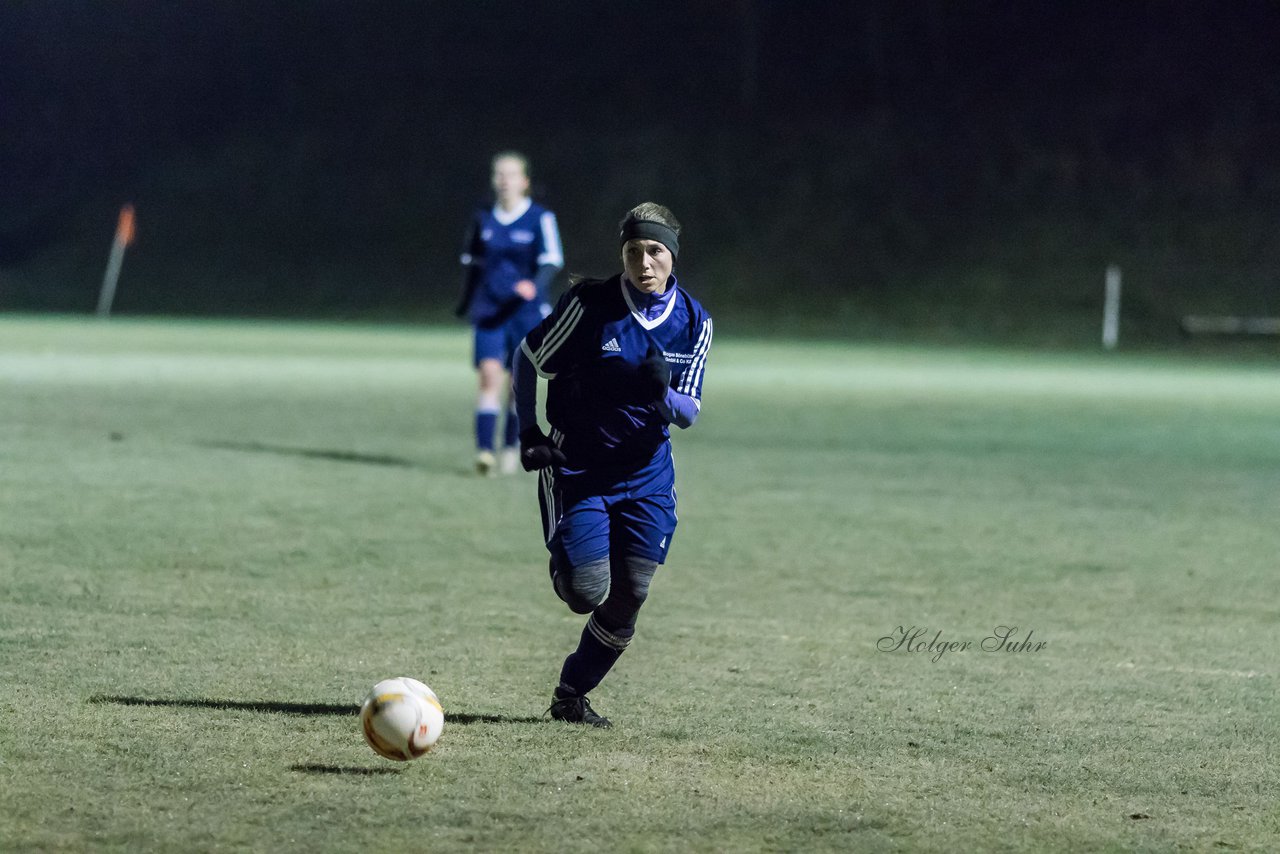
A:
(343, 770)
(464, 718)
(312, 709)
(236, 705)
(313, 453)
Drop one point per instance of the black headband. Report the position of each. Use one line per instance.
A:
(647, 229)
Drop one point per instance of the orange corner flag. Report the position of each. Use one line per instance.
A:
(124, 226)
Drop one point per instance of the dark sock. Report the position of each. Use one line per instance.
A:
(588, 664)
(486, 423)
(511, 430)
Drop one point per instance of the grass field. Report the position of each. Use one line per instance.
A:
(214, 538)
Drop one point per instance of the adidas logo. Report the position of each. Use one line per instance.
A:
(612, 346)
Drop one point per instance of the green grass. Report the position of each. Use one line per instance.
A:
(275, 516)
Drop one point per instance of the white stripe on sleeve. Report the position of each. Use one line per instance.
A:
(702, 360)
(551, 252)
(524, 348)
(558, 334)
(693, 374)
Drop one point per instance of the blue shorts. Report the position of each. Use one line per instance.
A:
(500, 342)
(586, 518)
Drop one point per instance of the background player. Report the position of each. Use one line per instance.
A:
(511, 255)
(624, 359)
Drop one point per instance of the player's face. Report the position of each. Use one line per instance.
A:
(648, 264)
(510, 183)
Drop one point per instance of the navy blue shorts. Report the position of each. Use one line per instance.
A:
(586, 518)
(500, 342)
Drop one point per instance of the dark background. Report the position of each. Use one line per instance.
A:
(914, 169)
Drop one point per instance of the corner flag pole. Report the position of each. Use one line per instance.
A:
(1111, 309)
(124, 236)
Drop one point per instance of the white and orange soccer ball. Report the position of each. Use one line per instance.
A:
(401, 718)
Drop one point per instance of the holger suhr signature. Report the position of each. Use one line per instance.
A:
(919, 639)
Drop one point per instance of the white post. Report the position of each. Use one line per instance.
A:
(108, 293)
(1111, 309)
(124, 236)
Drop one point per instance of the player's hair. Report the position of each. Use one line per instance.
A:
(643, 212)
(511, 154)
(651, 212)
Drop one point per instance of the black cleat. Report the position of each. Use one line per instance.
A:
(576, 710)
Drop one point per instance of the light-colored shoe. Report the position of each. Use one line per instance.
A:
(509, 462)
(485, 461)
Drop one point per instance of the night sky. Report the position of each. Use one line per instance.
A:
(1079, 106)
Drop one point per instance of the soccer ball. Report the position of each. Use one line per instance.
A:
(401, 718)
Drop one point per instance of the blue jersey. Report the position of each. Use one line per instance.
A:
(589, 348)
(501, 249)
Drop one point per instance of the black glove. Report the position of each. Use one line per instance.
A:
(537, 451)
(654, 375)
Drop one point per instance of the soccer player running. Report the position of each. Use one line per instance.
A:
(624, 358)
(511, 255)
